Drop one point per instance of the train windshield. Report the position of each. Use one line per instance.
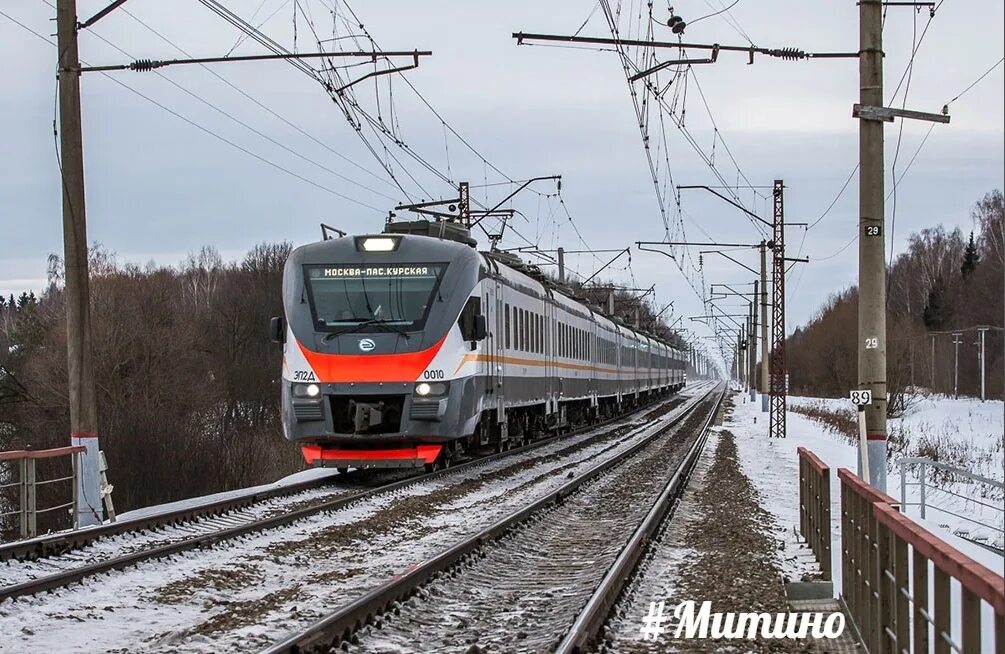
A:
(343, 295)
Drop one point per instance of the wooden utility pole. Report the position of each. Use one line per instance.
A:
(80, 367)
(872, 241)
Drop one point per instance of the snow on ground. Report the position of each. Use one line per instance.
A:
(290, 480)
(773, 467)
(965, 433)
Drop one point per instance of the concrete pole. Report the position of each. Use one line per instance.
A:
(872, 241)
(764, 327)
(983, 387)
(956, 365)
(932, 384)
(561, 265)
(752, 346)
(81, 388)
(741, 368)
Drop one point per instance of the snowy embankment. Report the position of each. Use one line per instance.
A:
(963, 433)
(773, 467)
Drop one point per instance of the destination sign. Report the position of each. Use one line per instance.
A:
(341, 272)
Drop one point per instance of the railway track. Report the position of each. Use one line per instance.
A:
(250, 593)
(544, 577)
(60, 560)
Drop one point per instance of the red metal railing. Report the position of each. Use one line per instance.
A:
(885, 561)
(815, 507)
(28, 484)
(907, 610)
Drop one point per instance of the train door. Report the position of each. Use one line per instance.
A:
(549, 353)
(493, 361)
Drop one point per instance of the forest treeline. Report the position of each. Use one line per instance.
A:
(188, 401)
(944, 282)
(187, 378)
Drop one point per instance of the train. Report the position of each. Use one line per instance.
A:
(412, 348)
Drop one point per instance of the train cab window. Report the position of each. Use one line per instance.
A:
(466, 321)
(344, 297)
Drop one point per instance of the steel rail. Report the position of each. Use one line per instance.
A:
(344, 621)
(594, 615)
(75, 574)
(62, 542)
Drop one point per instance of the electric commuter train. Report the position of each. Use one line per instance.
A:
(409, 347)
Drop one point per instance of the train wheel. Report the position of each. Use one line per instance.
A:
(342, 469)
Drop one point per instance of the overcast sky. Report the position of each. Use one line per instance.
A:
(159, 187)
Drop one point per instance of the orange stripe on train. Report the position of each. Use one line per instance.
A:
(403, 367)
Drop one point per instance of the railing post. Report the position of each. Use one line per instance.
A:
(902, 593)
(32, 505)
(971, 621)
(873, 574)
(803, 508)
(941, 610)
(886, 629)
(922, 480)
(75, 470)
(825, 525)
(22, 471)
(920, 593)
(903, 484)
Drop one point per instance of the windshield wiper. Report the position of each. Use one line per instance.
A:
(370, 321)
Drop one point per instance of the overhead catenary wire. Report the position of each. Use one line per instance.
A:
(215, 135)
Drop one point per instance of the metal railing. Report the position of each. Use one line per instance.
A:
(906, 608)
(923, 465)
(28, 484)
(897, 579)
(815, 507)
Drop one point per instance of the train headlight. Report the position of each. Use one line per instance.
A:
(380, 244)
(425, 389)
(306, 390)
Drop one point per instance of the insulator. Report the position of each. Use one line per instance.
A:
(788, 53)
(678, 28)
(143, 65)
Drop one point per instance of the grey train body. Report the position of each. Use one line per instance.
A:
(438, 344)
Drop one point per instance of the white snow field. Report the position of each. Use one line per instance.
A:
(961, 426)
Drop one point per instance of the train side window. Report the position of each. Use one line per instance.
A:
(520, 331)
(517, 321)
(506, 329)
(466, 321)
(527, 331)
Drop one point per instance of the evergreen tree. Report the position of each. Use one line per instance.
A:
(971, 257)
(937, 310)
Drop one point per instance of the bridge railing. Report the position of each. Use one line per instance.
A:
(27, 483)
(907, 609)
(815, 507)
(905, 589)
